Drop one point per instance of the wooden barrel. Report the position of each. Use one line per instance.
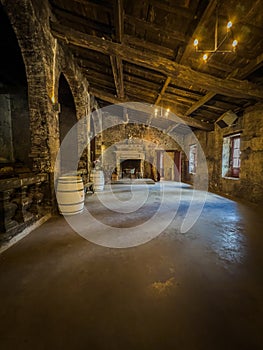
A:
(70, 195)
(97, 177)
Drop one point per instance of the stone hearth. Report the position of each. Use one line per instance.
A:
(129, 151)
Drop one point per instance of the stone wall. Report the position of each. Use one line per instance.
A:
(6, 144)
(144, 139)
(249, 185)
(20, 127)
(44, 60)
(38, 123)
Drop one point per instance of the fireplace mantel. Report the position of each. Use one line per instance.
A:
(126, 151)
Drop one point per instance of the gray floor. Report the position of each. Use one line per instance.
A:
(197, 290)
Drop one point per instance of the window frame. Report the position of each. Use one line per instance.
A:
(231, 161)
(192, 159)
(234, 170)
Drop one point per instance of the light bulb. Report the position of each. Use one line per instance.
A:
(234, 43)
(195, 42)
(205, 57)
(229, 25)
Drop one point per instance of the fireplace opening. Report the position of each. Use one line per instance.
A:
(131, 168)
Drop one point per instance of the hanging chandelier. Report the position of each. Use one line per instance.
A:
(218, 44)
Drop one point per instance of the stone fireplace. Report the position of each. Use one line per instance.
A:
(131, 168)
(129, 159)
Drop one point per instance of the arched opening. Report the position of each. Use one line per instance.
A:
(14, 112)
(67, 119)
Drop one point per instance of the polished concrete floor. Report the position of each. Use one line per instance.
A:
(202, 289)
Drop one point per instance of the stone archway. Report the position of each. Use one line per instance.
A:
(37, 75)
(44, 59)
(79, 89)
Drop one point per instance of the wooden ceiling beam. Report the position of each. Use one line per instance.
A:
(140, 82)
(230, 87)
(200, 102)
(101, 5)
(206, 14)
(177, 99)
(143, 73)
(252, 12)
(149, 46)
(116, 61)
(210, 64)
(208, 11)
(119, 20)
(102, 95)
(117, 69)
(148, 109)
(173, 117)
(167, 82)
(104, 84)
(77, 20)
(93, 70)
(251, 67)
(178, 10)
(240, 74)
(140, 23)
(210, 8)
(176, 91)
(205, 114)
(140, 90)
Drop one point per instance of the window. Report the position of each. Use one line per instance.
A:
(231, 156)
(192, 159)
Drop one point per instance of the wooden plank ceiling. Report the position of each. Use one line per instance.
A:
(142, 50)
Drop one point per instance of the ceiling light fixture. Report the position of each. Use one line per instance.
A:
(217, 44)
(161, 112)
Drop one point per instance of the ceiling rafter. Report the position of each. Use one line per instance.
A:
(116, 61)
(252, 66)
(80, 21)
(101, 4)
(206, 14)
(178, 10)
(143, 44)
(241, 74)
(200, 102)
(209, 9)
(230, 87)
(145, 25)
(167, 82)
(114, 100)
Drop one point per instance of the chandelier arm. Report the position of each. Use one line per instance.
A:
(223, 40)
